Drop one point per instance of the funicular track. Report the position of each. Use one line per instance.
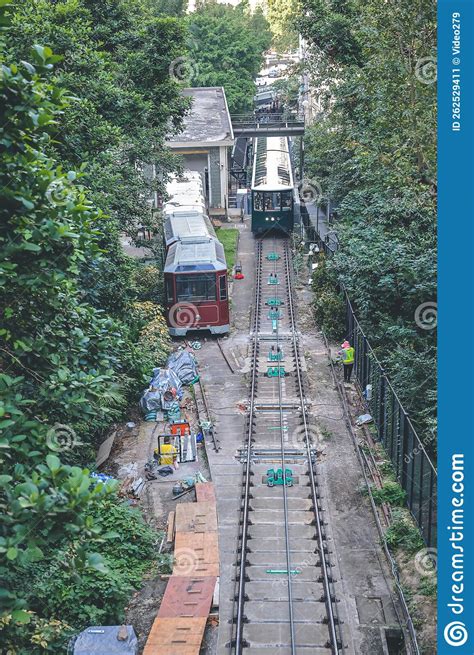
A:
(284, 598)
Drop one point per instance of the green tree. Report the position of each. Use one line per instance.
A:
(66, 368)
(226, 48)
(373, 152)
(116, 59)
(281, 15)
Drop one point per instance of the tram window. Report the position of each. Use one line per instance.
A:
(195, 287)
(272, 201)
(222, 288)
(286, 200)
(169, 290)
(258, 201)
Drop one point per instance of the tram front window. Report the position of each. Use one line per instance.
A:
(258, 201)
(286, 200)
(272, 201)
(195, 287)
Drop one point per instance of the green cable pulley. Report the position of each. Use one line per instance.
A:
(275, 315)
(274, 302)
(275, 355)
(276, 371)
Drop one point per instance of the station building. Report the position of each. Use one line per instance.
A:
(205, 143)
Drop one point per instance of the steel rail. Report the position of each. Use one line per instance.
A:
(332, 620)
(215, 441)
(331, 612)
(245, 509)
(226, 359)
(285, 496)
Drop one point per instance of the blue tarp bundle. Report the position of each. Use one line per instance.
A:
(110, 639)
(183, 363)
(160, 393)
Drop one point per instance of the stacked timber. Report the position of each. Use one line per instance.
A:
(181, 620)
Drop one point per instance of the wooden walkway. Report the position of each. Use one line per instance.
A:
(181, 620)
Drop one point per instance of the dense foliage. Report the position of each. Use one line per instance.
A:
(226, 48)
(76, 345)
(280, 15)
(116, 60)
(372, 151)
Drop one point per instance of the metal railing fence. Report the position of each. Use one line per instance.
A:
(413, 467)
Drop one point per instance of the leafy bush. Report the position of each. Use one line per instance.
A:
(99, 596)
(329, 307)
(390, 493)
(429, 586)
(148, 282)
(372, 151)
(403, 533)
(71, 371)
(154, 339)
(37, 637)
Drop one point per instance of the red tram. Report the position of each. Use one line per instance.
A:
(196, 286)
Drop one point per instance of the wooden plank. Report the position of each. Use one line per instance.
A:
(170, 534)
(171, 650)
(196, 517)
(187, 597)
(196, 554)
(177, 632)
(205, 492)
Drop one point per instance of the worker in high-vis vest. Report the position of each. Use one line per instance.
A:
(347, 360)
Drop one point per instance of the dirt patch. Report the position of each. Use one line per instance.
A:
(420, 591)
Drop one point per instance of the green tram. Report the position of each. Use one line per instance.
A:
(272, 186)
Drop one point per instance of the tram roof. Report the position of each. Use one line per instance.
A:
(173, 208)
(186, 189)
(272, 164)
(185, 225)
(205, 254)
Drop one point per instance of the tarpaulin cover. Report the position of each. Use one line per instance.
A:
(165, 388)
(182, 362)
(98, 640)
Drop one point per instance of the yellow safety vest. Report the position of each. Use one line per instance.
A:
(349, 355)
(168, 454)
